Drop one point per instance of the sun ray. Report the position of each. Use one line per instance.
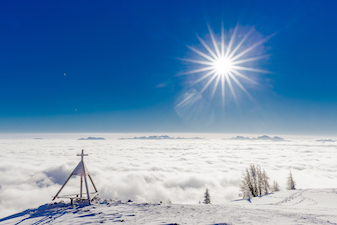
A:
(239, 84)
(213, 40)
(216, 83)
(249, 69)
(249, 59)
(231, 86)
(231, 42)
(222, 41)
(208, 83)
(250, 48)
(207, 47)
(198, 61)
(240, 43)
(203, 77)
(199, 70)
(201, 54)
(242, 75)
(223, 86)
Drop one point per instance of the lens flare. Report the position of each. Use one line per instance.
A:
(224, 64)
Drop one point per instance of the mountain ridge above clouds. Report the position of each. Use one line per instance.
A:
(259, 138)
(326, 140)
(302, 206)
(160, 137)
(91, 138)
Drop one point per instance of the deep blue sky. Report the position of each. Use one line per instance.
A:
(121, 60)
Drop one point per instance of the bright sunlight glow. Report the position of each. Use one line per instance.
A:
(224, 63)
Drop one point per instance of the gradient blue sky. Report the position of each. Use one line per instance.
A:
(121, 60)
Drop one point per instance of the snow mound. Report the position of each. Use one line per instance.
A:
(307, 206)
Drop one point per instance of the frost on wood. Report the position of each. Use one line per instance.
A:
(254, 183)
(207, 197)
(290, 182)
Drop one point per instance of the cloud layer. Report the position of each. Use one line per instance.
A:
(32, 171)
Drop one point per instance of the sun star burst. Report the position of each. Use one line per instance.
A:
(224, 64)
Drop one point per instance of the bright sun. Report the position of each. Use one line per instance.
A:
(222, 65)
(225, 63)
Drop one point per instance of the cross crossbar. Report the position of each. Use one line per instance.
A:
(82, 154)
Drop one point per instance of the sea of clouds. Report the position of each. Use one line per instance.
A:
(179, 170)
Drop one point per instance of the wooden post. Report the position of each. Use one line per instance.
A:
(86, 185)
(92, 182)
(62, 187)
(81, 187)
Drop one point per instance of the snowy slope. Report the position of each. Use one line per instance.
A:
(306, 206)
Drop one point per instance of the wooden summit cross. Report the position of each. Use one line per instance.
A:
(82, 171)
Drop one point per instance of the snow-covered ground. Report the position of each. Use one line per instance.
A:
(306, 206)
(33, 170)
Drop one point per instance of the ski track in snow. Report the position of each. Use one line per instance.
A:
(310, 206)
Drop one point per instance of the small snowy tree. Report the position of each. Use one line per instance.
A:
(275, 187)
(207, 197)
(254, 183)
(290, 183)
